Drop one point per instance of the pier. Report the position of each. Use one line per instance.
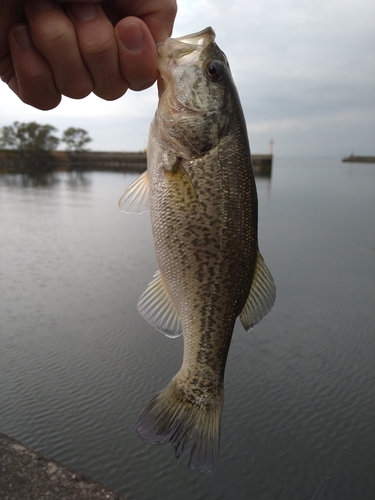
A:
(359, 159)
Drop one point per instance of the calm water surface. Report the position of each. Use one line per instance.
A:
(78, 362)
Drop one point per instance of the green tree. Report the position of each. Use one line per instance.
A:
(75, 139)
(29, 137)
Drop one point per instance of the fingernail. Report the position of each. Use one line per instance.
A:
(23, 38)
(83, 11)
(131, 36)
(40, 5)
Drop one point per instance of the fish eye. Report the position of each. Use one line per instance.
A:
(215, 70)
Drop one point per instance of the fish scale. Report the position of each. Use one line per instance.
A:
(201, 193)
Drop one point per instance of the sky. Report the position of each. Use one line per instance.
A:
(304, 69)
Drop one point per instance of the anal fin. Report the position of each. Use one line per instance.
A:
(261, 297)
(156, 306)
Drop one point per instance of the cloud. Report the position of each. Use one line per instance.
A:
(304, 70)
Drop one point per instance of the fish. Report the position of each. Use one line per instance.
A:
(200, 190)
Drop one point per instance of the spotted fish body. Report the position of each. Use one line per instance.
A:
(199, 187)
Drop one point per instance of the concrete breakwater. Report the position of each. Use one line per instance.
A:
(18, 162)
(101, 160)
(359, 159)
(26, 474)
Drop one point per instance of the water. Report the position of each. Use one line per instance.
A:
(78, 362)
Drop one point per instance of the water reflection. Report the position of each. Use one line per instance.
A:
(30, 179)
(45, 179)
(77, 179)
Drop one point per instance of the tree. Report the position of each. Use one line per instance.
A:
(29, 137)
(75, 139)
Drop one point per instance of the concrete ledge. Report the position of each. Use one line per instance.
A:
(27, 475)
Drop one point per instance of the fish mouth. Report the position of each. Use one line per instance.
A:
(199, 38)
(182, 50)
(175, 48)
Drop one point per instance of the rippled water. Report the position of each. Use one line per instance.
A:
(78, 362)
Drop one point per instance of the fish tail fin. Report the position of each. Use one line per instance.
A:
(172, 416)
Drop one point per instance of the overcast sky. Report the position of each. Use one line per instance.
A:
(305, 71)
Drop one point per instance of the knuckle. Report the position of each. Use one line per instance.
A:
(51, 37)
(140, 84)
(39, 91)
(111, 95)
(76, 89)
(44, 103)
(36, 80)
(111, 89)
(100, 48)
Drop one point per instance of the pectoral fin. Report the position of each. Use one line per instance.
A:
(157, 308)
(261, 297)
(182, 191)
(135, 200)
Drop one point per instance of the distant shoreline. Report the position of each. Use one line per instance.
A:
(18, 162)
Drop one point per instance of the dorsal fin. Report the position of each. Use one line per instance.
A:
(135, 200)
(261, 297)
(157, 308)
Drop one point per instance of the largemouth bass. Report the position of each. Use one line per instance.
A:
(200, 189)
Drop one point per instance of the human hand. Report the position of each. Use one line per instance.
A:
(73, 48)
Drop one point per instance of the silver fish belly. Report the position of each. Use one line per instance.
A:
(200, 189)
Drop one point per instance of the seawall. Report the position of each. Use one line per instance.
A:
(26, 474)
(15, 161)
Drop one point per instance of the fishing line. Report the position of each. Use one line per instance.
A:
(328, 475)
(351, 439)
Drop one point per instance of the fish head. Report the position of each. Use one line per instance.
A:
(194, 87)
